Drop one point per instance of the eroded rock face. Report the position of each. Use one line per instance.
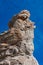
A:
(16, 44)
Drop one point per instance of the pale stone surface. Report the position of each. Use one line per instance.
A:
(16, 44)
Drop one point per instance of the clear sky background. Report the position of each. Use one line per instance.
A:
(8, 8)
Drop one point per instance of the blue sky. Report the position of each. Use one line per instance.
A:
(8, 8)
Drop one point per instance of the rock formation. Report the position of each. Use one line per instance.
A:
(16, 44)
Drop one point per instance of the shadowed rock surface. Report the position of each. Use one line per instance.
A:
(16, 44)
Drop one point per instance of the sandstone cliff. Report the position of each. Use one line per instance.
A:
(16, 44)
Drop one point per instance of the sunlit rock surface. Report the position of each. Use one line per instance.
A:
(16, 44)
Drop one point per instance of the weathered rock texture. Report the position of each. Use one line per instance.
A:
(16, 44)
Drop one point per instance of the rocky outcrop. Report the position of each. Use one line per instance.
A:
(16, 44)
